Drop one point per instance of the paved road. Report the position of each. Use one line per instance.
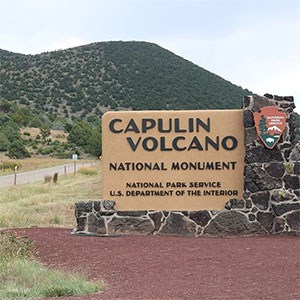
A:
(37, 175)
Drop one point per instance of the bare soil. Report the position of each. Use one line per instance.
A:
(161, 267)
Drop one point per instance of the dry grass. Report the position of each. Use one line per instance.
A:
(48, 205)
(35, 163)
(58, 135)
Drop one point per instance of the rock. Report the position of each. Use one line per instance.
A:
(235, 204)
(156, 217)
(287, 105)
(81, 208)
(278, 98)
(279, 224)
(261, 200)
(133, 213)
(297, 168)
(266, 220)
(232, 222)
(295, 154)
(95, 225)
(250, 135)
(97, 205)
(108, 204)
(293, 220)
(247, 101)
(262, 155)
(258, 180)
(260, 102)
(251, 217)
(248, 204)
(81, 222)
(275, 169)
(268, 96)
(292, 182)
(289, 98)
(177, 224)
(286, 207)
(248, 118)
(200, 217)
(281, 195)
(131, 225)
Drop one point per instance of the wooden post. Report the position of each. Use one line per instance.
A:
(15, 175)
(65, 170)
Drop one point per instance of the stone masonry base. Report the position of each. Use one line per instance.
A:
(240, 217)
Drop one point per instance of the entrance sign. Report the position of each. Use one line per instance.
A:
(270, 124)
(173, 160)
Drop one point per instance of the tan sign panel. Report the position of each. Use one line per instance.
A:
(173, 160)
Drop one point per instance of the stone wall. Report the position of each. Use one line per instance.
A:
(272, 185)
(270, 204)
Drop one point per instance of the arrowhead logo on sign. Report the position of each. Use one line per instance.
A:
(270, 124)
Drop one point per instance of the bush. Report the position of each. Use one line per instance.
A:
(17, 150)
(87, 171)
(6, 165)
(4, 143)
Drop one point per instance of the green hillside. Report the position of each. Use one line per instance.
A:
(94, 78)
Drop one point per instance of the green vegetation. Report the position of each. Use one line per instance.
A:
(17, 145)
(24, 277)
(71, 89)
(91, 79)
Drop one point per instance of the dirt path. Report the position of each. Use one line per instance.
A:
(153, 267)
(36, 175)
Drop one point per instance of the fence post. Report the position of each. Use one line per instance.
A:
(15, 175)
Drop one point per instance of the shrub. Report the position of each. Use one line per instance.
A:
(4, 143)
(87, 171)
(6, 165)
(17, 150)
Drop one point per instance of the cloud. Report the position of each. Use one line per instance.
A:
(260, 56)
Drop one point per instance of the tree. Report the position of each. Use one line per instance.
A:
(94, 144)
(10, 132)
(262, 125)
(80, 134)
(4, 143)
(45, 132)
(17, 150)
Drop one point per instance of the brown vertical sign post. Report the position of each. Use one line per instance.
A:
(173, 160)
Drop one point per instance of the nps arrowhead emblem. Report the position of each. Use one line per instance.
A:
(270, 125)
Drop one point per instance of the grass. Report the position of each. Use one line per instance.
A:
(43, 205)
(87, 171)
(48, 205)
(21, 276)
(30, 164)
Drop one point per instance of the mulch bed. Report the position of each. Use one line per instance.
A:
(161, 267)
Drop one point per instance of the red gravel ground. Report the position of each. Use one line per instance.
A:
(160, 267)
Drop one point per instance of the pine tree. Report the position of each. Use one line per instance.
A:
(263, 125)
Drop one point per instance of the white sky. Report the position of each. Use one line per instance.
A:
(252, 43)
